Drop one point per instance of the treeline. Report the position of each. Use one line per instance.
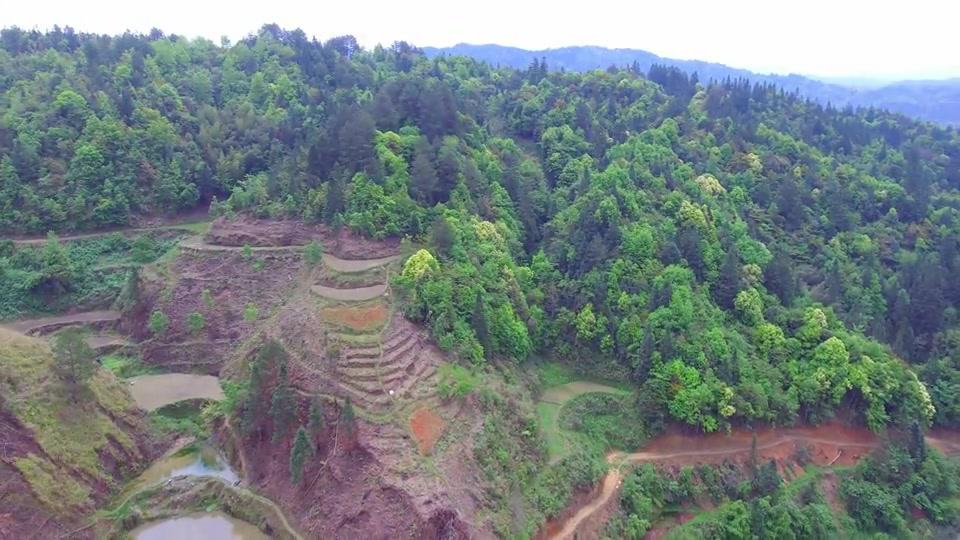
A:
(742, 254)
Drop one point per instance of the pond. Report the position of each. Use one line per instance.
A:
(191, 461)
(198, 526)
(154, 391)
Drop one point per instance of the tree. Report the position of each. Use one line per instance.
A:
(348, 417)
(282, 403)
(441, 236)
(299, 452)
(478, 321)
(75, 360)
(728, 283)
(423, 175)
(251, 313)
(195, 322)
(334, 202)
(315, 421)
(313, 253)
(158, 323)
(57, 270)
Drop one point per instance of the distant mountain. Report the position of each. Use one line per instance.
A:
(937, 101)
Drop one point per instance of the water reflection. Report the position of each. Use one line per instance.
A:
(199, 526)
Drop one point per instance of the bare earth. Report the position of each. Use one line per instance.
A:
(358, 294)
(154, 391)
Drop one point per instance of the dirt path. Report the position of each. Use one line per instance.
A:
(348, 266)
(688, 448)
(358, 294)
(48, 324)
(184, 224)
(154, 391)
(198, 244)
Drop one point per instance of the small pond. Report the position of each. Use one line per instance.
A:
(202, 460)
(198, 526)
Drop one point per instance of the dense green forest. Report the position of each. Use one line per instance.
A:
(742, 254)
(933, 100)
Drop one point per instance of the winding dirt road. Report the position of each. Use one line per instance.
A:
(46, 325)
(687, 448)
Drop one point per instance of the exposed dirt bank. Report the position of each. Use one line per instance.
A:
(246, 230)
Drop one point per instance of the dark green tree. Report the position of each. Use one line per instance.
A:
(299, 452)
(75, 361)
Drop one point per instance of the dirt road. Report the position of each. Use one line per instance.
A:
(187, 222)
(680, 448)
(48, 324)
(358, 294)
(347, 266)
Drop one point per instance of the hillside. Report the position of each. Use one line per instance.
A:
(407, 253)
(935, 101)
(62, 455)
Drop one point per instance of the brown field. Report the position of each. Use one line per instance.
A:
(361, 319)
(427, 426)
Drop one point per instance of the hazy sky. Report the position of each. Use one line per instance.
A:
(879, 38)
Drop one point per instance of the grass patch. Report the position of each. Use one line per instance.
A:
(59, 492)
(554, 374)
(125, 367)
(182, 418)
(72, 431)
(604, 418)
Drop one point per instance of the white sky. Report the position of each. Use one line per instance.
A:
(850, 38)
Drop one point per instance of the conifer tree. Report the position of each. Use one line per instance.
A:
(299, 452)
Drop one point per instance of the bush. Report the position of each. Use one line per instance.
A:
(158, 323)
(455, 381)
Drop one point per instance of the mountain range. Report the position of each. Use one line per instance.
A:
(933, 100)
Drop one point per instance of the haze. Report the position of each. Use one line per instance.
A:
(828, 38)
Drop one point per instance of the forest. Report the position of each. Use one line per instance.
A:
(741, 255)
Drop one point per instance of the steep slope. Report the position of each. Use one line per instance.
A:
(319, 340)
(60, 455)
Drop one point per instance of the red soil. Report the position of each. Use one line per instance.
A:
(427, 426)
(361, 319)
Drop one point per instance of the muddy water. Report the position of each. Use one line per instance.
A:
(203, 461)
(199, 526)
(154, 391)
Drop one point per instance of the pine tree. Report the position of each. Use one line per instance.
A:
(441, 236)
(480, 325)
(334, 202)
(299, 452)
(423, 175)
(315, 421)
(728, 283)
(282, 404)
(348, 417)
